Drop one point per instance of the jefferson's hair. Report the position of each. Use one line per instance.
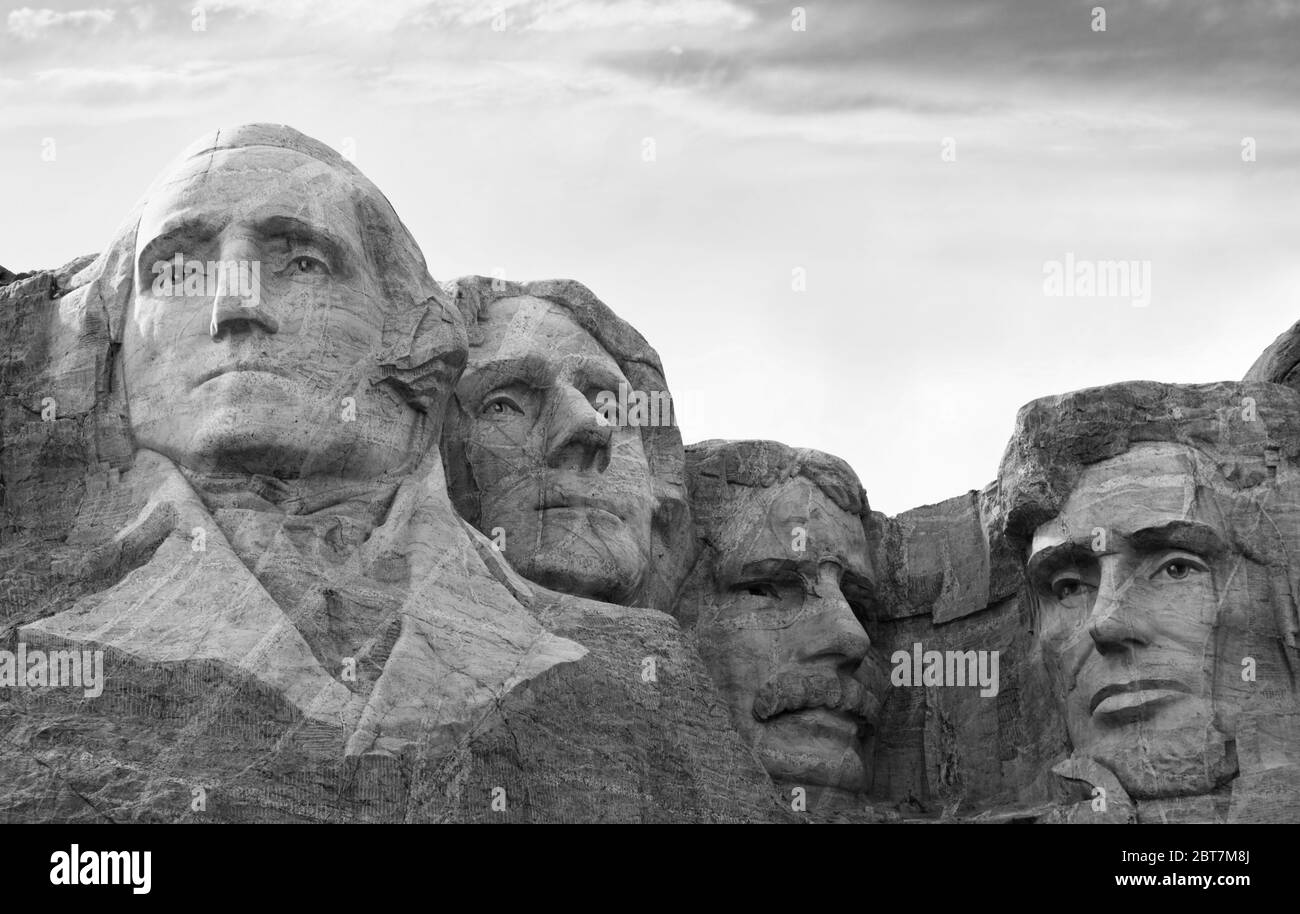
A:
(671, 526)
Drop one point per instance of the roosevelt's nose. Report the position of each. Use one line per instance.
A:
(1116, 624)
(828, 626)
(577, 437)
(238, 305)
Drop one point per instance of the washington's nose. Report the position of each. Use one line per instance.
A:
(578, 437)
(1115, 624)
(233, 314)
(237, 305)
(829, 627)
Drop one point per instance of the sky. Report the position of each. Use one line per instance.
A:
(835, 221)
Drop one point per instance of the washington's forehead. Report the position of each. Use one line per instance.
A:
(244, 183)
(1148, 486)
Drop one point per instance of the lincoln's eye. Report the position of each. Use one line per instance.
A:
(1064, 588)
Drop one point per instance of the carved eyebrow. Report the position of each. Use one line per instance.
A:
(1180, 534)
(339, 251)
(1051, 559)
(173, 231)
(480, 380)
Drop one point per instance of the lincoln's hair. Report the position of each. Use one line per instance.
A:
(1244, 441)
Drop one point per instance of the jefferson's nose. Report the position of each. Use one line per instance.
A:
(578, 436)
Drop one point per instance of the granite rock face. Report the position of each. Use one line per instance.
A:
(782, 585)
(224, 493)
(292, 532)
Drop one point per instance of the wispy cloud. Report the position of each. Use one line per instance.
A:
(30, 24)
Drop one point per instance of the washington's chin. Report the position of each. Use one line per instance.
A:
(815, 747)
(235, 440)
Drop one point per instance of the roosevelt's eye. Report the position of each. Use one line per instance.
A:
(1179, 567)
(500, 405)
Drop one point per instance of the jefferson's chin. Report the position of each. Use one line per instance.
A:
(586, 552)
(815, 747)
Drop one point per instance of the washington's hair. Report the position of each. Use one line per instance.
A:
(423, 344)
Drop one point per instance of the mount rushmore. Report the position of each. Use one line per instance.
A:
(293, 532)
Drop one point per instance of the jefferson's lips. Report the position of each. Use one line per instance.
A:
(1151, 686)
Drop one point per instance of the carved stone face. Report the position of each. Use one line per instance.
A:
(1141, 596)
(570, 492)
(779, 630)
(279, 382)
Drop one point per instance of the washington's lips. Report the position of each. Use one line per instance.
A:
(1143, 692)
(241, 366)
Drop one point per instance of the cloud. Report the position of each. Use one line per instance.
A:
(618, 14)
(29, 24)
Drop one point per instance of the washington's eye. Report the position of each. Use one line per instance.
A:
(308, 266)
(762, 589)
(499, 405)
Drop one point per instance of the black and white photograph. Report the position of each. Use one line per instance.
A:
(862, 412)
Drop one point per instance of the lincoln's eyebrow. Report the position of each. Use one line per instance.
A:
(1180, 534)
(1051, 559)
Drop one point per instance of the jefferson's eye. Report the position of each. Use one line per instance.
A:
(500, 405)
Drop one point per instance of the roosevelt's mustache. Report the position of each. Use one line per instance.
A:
(798, 691)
